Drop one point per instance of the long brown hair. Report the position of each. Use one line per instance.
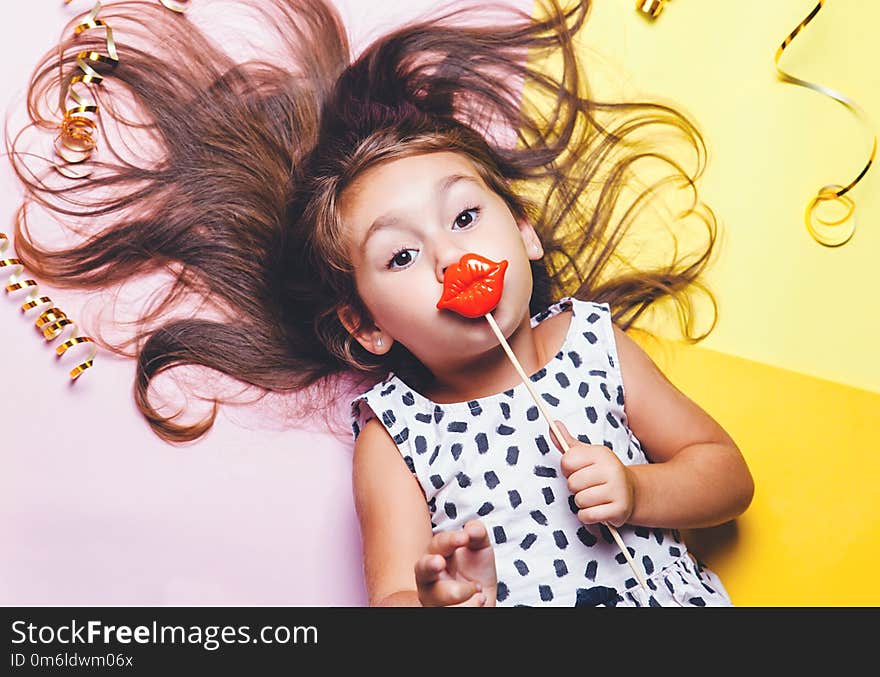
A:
(241, 198)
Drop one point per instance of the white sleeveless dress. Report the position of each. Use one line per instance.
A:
(493, 459)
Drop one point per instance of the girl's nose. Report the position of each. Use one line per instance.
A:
(449, 253)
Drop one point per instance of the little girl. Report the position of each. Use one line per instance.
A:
(487, 476)
(317, 201)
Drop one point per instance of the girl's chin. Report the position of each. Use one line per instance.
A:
(506, 315)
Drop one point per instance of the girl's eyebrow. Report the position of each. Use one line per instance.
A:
(390, 219)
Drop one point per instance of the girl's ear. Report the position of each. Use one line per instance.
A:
(367, 334)
(534, 249)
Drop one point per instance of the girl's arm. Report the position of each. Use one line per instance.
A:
(697, 476)
(405, 564)
(394, 518)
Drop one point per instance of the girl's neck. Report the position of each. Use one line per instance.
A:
(533, 347)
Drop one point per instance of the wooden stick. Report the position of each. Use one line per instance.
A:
(528, 383)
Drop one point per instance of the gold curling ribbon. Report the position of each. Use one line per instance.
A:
(179, 6)
(76, 140)
(650, 8)
(830, 233)
(52, 322)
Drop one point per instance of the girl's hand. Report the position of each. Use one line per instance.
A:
(602, 486)
(458, 569)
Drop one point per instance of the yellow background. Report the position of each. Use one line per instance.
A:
(790, 370)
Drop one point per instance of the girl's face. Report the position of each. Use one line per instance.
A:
(408, 219)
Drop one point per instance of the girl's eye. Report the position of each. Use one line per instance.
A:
(467, 220)
(401, 259)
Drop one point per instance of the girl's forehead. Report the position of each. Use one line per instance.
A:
(399, 189)
(408, 173)
(403, 185)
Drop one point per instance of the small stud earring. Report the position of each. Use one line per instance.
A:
(379, 342)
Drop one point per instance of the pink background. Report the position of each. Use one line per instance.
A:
(97, 510)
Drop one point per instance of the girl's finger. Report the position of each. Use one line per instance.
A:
(593, 496)
(585, 478)
(479, 536)
(455, 593)
(477, 599)
(446, 542)
(607, 512)
(428, 568)
(565, 434)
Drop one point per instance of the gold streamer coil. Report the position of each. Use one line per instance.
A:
(837, 231)
(650, 8)
(176, 6)
(179, 6)
(52, 322)
(76, 141)
(74, 146)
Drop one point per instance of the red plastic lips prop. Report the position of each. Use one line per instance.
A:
(472, 287)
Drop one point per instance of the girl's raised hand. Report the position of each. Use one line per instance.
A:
(602, 486)
(458, 569)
